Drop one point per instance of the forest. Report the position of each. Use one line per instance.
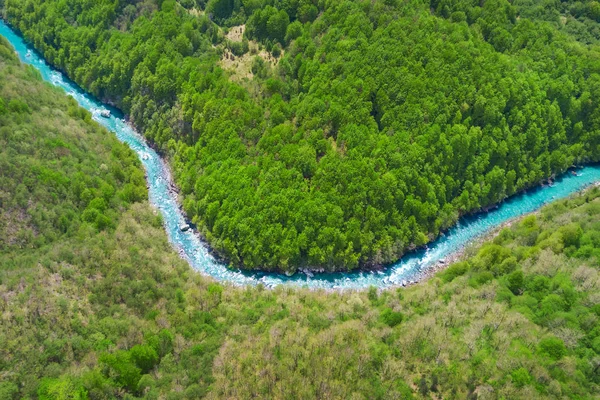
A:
(96, 304)
(337, 134)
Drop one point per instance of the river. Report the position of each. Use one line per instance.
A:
(191, 248)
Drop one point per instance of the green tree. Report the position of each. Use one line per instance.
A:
(553, 347)
(144, 357)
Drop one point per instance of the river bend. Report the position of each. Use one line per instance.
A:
(191, 248)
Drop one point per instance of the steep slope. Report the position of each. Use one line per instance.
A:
(85, 267)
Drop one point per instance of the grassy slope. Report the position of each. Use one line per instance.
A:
(106, 309)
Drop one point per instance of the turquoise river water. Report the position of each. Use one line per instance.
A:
(191, 248)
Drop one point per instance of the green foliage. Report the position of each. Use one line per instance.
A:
(520, 377)
(162, 343)
(8, 390)
(144, 357)
(63, 183)
(571, 234)
(269, 23)
(221, 9)
(453, 271)
(61, 389)
(391, 318)
(122, 368)
(516, 282)
(553, 347)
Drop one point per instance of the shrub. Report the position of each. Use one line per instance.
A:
(144, 356)
(520, 377)
(553, 347)
(390, 317)
(454, 271)
(516, 282)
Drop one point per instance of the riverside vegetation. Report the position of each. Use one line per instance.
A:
(337, 134)
(95, 304)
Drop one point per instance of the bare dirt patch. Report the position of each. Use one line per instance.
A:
(196, 12)
(240, 67)
(236, 33)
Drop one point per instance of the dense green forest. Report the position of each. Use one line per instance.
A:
(337, 134)
(95, 304)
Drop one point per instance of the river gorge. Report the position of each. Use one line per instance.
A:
(409, 269)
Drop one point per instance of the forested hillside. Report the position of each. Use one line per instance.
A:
(95, 304)
(337, 134)
(89, 285)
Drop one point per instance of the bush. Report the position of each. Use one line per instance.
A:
(454, 271)
(144, 356)
(571, 234)
(553, 347)
(293, 31)
(458, 16)
(127, 373)
(390, 317)
(516, 282)
(481, 278)
(8, 390)
(18, 106)
(520, 377)
(59, 389)
(276, 50)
